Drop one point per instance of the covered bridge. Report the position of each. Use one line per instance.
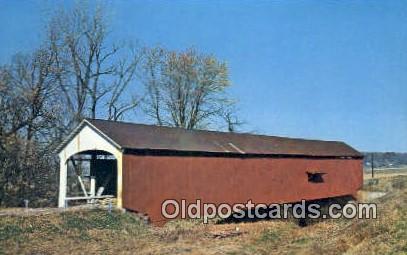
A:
(143, 165)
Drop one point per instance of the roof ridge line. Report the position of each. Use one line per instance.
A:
(215, 131)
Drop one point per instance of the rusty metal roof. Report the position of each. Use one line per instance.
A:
(150, 137)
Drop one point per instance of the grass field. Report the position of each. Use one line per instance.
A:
(98, 232)
(387, 172)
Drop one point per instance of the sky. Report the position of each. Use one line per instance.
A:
(330, 70)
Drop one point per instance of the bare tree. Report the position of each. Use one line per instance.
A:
(152, 77)
(233, 122)
(184, 89)
(125, 73)
(77, 72)
(91, 71)
(29, 85)
(29, 111)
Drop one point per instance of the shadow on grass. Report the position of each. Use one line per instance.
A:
(280, 214)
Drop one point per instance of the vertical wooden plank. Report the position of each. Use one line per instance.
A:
(119, 158)
(62, 182)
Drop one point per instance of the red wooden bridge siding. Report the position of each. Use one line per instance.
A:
(149, 180)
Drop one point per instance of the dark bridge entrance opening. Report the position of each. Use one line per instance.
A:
(92, 175)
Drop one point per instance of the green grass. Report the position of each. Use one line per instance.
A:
(10, 231)
(92, 225)
(270, 236)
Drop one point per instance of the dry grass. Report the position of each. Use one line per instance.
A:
(98, 232)
(390, 172)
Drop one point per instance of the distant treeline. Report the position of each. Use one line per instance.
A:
(385, 159)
